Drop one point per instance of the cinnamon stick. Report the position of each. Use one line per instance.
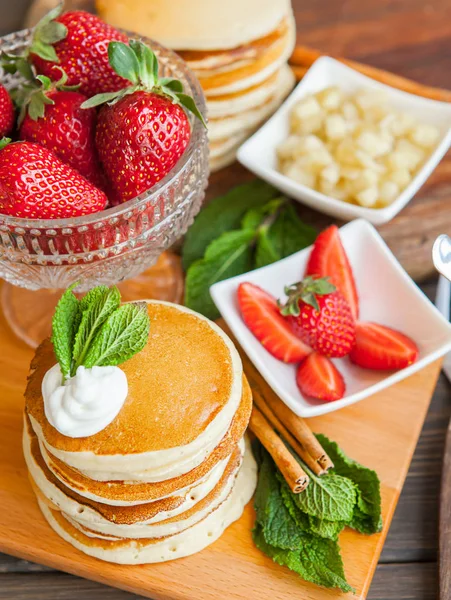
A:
(292, 471)
(300, 430)
(259, 401)
(303, 57)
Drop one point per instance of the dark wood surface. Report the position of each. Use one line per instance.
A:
(412, 38)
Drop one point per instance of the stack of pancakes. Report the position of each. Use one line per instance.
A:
(172, 471)
(238, 49)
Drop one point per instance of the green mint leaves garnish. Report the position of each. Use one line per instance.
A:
(300, 531)
(138, 64)
(123, 334)
(97, 330)
(249, 227)
(64, 328)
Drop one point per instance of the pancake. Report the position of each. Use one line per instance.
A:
(225, 82)
(196, 24)
(153, 550)
(223, 60)
(231, 104)
(169, 420)
(122, 493)
(249, 120)
(96, 515)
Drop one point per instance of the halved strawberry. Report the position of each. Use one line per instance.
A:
(261, 314)
(379, 347)
(317, 377)
(328, 259)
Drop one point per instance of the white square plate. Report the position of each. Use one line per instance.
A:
(258, 153)
(387, 296)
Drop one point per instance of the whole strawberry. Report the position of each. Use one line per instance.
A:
(6, 112)
(36, 184)
(143, 131)
(77, 42)
(51, 115)
(320, 316)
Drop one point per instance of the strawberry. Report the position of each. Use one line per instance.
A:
(261, 314)
(379, 347)
(6, 112)
(328, 259)
(143, 131)
(36, 184)
(77, 42)
(51, 115)
(320, 316)
(317, 377)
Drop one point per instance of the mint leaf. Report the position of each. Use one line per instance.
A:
(317, 560)
(289, 233)
(321, 527)
(64, 327)
(121, 336)
(265, 253)
(254, 217)
(279, 528)
(326, 529)
(229, 255)
(223, 214)
(331, 497)
(96, 307)
(367, 515)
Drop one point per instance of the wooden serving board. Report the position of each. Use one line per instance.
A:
(381, 432)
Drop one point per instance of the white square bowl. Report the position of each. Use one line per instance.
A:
(258, 153)
(387, 296)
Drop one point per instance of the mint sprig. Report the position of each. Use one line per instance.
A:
(97, 330)
(301, 531)
(246, 229)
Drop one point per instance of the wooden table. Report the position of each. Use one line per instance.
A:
(412, 38)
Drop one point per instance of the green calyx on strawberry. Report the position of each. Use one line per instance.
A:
(320, 315)
(139, 65)
(46, 33)
(306, 292)
(33, 97)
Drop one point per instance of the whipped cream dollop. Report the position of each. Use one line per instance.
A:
(87, 402)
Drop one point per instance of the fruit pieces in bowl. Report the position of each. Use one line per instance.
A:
(319, 321)
(57, 111)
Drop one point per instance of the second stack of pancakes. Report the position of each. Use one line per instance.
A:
(238, 49)
(172, 471)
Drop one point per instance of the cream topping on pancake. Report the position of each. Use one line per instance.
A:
(184, 389)
(189, 541)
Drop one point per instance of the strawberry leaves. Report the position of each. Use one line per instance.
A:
(306, 292)
(138, 64)
(48, 32)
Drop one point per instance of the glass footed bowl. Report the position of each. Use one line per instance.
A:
(107, 247)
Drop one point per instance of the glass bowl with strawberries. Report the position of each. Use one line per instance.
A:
(107, 169)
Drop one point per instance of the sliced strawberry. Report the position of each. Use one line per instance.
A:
(379, 347)
(328, 259)
(261, 314)
(317, 377)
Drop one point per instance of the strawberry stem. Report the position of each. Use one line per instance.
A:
(138, 64)
(306, 292)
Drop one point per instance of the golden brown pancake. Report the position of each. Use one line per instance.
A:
(135, 492)
(210, 80)
(127, 515)
(199, 60)
(176, 387)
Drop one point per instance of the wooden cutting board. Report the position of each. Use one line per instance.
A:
(381, 432)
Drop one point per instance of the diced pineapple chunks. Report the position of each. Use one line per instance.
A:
(354, 147)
